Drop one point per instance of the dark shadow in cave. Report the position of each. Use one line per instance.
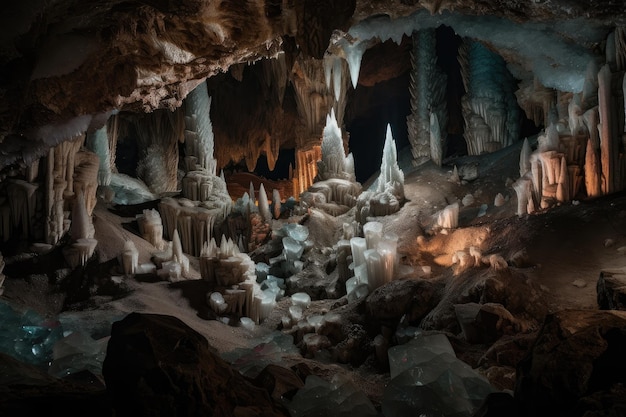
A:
(387, 102)
(127, 153)
(286, 157)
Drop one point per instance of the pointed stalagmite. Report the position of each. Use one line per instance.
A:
(264, 206)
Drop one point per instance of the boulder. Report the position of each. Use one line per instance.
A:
(414, 298)
(611, 290)
(576, 367)
(156, 365)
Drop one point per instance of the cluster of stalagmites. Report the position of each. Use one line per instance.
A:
(579, 154)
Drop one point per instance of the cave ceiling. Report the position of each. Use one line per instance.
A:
(67, 65)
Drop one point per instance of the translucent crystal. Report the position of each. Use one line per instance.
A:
(301, 299)
(292, 248)
(296, 231)
(358, 245)
(417, 351)
(373, 232)
(339, 397)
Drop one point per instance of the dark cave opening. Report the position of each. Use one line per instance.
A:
(388, 102)
(286, 158)
(127, 152)
(447, 47)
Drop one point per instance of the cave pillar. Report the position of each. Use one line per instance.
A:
(427, 87)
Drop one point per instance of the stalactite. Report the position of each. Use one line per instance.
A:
(275, 75)
(22, 199)
(313, 99)
(427, 86)
(620, 48)
(536, 101)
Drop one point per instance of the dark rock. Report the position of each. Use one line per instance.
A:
(156, 365)
(498, 404)
(576, 366)
(279, 381)
(411, 297)
(485, 323)
(611, 290)
(27, 390)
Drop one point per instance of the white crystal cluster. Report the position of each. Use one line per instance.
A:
(388, 194)
(294, 240)
(374, 260)
(335, 189)
(576, 156)
(240, 288)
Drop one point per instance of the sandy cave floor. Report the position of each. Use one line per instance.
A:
(564, 246)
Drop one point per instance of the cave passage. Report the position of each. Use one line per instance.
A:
(388, 103)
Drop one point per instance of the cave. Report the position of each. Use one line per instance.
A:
(280, 208)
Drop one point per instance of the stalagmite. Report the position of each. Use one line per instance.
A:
(592, 171)
(448, 218)
(264, 206)
(524, 158)
(389, 193)
(276, 203)
(436, 145)
(563, 186)
(151, 227)
(334, 189)
(522, 188)
(499, 200)
(82, 226)
(608, 141)
(199, 139)
(98, 142)
(130, 258)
